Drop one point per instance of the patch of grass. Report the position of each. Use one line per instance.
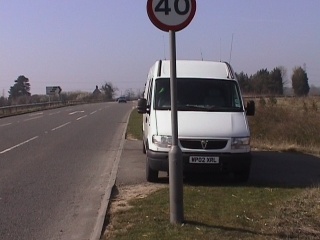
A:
(298, 218)
(134, 130)
(210, 213)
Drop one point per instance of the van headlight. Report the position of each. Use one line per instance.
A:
(240, 143)
(162, 141)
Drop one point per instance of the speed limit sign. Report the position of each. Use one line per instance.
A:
(171, 15)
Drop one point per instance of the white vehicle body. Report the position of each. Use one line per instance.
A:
(213, 131)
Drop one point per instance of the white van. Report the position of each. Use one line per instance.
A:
(213, 130)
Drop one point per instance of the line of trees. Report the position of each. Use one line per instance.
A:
(19, 93)
(262, 82)
(273, 83)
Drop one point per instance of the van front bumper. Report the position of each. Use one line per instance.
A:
(228, 162)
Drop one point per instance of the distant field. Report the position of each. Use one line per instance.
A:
(286, 124)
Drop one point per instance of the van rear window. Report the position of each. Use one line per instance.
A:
(194, 94)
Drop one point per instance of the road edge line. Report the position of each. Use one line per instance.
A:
(97, 231)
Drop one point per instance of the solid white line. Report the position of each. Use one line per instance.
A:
(63, 125)
(93, 112)
(81, 117)
(5, 124)
(18, 145)
(96, 233)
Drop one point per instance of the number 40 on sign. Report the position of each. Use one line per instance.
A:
(171, 14)
(163, 6)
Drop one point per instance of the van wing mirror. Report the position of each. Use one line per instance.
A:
(250, 109)
(142, 105)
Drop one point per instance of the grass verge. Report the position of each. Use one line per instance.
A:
(210, 213)
(222, 211)
(134, 130)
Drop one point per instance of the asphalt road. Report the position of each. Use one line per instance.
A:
(54, 169)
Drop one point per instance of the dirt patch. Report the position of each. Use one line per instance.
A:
(130, 137)
(120, 200)
(126, 193)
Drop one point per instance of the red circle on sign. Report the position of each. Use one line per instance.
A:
(165, 27)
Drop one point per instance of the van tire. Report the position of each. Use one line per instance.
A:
(242, 176)
(151, 175)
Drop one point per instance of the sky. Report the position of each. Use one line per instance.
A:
(78, 44)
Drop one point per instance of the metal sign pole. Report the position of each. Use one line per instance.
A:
(172, 16)
(175, 154)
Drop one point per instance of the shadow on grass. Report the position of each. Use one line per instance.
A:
(230, 229)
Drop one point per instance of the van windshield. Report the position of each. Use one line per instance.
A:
(194, 94)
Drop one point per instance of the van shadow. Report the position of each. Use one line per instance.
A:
(271, 169)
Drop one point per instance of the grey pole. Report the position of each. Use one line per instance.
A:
(175, 154)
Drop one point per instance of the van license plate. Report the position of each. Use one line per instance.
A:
(207, 160)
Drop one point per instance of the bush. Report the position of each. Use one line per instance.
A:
(272, 101)
(286, 127)
(262, 102)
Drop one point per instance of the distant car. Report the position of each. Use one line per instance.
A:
(122, 100)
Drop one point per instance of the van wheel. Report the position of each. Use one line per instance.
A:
(152, 175)
(242, 176)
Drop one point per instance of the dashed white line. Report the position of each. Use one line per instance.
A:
(5, 124)
(29, 119)
(82, 117)
(61, 126)
(76, 112)
(93, 112)
(18, 145)
(35, 114)
(50, 114)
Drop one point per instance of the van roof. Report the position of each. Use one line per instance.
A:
(194, 68)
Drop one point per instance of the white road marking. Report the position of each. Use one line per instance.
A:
(93, 112)
(18, 145)
(28, 119)
(82, 117)
(5, 124)
(63, 125)
(50, 114)
(35, 114)
(76, 112)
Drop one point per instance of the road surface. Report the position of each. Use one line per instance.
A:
(54, 169)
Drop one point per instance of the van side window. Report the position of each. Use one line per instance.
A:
(162, 94)
(149, 96)
(236, 98)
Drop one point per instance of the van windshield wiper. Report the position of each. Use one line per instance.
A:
(223, 109)
(191, 107)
